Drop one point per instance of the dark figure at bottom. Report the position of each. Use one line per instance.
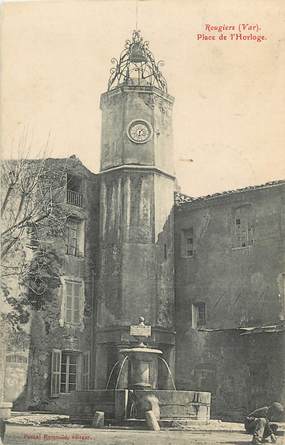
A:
(259, 422)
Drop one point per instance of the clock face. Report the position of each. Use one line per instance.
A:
(139, 131)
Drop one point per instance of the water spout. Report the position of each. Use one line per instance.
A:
(133, 410)
(111, 373)
(120, 372)
(169, 372)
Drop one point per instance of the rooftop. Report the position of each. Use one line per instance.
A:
(181, 199)
(71, 161)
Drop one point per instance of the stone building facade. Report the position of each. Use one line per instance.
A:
(57, 359)
(230, 296)
(60, 351)
(208, 273)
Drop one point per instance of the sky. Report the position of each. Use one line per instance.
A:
(229, 112)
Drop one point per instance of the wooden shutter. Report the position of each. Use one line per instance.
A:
(72, 236)
(68, 302)
(86, 370)
(77, 289)
(72, 302)
(55, 372)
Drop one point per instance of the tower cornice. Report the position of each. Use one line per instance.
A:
(121, 89)
(142, 168)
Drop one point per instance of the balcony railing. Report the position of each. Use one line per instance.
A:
(74, 198)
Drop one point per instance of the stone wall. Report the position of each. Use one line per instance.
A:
(242, 372)
(240, 286)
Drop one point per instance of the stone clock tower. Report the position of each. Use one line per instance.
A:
(136, 205)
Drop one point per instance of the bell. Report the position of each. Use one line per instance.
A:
(137, 54)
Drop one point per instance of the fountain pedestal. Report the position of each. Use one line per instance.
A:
(143, 367)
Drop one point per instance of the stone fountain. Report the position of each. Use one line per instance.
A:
(139, 368)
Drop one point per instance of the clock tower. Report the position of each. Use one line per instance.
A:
(136, 209)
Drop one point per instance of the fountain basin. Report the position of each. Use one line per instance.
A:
(140, 350)
(116, 404)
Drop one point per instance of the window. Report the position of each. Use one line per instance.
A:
(187, 243)
(73, 292)
(69, 371)
(242, 227)
(74, 190)
(74, 237)
(198, 315)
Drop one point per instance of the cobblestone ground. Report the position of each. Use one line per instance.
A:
(31, 435)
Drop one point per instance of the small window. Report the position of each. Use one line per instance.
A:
(74, 237)
(73, 292)
(165, 251)
(242, 227)
(187, 243)
(198, 315)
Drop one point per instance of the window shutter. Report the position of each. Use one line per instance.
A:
(74, 236)
(74, 292)
(86, 370)
(55, 372)
(77, 288)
